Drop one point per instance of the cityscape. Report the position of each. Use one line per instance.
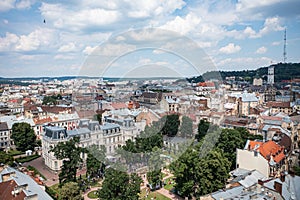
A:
(117, 100)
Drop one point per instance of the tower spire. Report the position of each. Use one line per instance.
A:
(284, 47)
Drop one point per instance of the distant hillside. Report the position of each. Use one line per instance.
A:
(283, 71)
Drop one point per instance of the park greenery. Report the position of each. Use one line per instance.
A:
(23, 136)
(70, 191)
(6, 158)
(119, 185)
(203, 168)
(95, 162)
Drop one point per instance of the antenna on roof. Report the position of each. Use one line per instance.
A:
(284, 47)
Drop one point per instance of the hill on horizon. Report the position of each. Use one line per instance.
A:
(282, 71)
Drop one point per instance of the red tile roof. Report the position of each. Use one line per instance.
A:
(42, 121)
(118, 105)
(266, 117)
(279, 104)
(268, 149)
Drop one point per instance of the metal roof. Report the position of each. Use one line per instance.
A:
(22, 179)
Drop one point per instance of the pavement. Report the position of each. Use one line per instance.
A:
(169, 194)
(164, 191)
(51, 176)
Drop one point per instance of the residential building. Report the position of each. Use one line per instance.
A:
(266, 157)
(15, 185)
(112, 133)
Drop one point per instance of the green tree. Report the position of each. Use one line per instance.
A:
(203, 127)
(154, 175)
(51, 100)
(70, 191)
(6, 158)
(186, 127)
(171, 125)
(70, 152)
(119, 185)
(229, 141)
(95, 160)
(196, 176)
(23, 136)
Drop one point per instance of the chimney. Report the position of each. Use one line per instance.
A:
(278, 187)
(260, 182)
(282, 177)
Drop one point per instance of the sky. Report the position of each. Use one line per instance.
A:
(144, 37)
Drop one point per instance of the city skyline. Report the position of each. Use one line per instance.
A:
(56, 38)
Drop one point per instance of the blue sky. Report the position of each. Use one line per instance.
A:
(234, 35)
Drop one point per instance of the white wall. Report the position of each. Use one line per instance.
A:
(246, 160)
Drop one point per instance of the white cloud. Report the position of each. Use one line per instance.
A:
(144, 61)
(27, 57)
(271, 24)
(88, 50)
(63, 57)
(5, 21)
(243, 63)
(109, 49)
(148, 8)
(182, 25)
(24, 4)
(39, 37)
(158, 51)
(7, 43)
(276, 43)
(261, 50)
(67, 47)
(81, 19)
(230, 48)
(6, 5)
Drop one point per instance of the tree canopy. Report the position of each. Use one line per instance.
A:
(205, 167)
(70, 191)
(95, 160)
(196, 176)
(23, 136)
(202, 129)
(51, 100)
(6, 158)
(119, 185)
(69, 152)
(186, 127)
(170, 125)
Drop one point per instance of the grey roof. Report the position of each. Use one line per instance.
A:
(3, 126)
(22, 179)
(227, 194)
(93, 125)
(239, 172)
(273, 122)
(252, 178)
(290, 187)
(245, 96)
(11, 119)
(55, 128)
(77, 132)
(108, 126)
